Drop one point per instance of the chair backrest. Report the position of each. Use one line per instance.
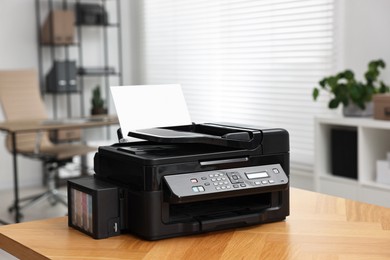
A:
(21, 100)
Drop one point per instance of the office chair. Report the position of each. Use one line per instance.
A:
(21, 100)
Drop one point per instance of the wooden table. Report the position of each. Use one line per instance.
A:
(319, 227)
(25, 126)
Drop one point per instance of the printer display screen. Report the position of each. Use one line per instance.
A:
(256, 175)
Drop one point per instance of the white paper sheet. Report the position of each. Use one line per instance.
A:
(147, 106)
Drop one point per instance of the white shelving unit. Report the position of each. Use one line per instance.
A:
(373, 144)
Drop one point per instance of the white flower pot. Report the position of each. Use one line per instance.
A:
(353, 110)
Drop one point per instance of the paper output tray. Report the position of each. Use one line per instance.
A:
(224, 213)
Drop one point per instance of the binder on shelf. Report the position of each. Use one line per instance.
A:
(58, 28)
(91, 14)
(62, 77)
(344, 152)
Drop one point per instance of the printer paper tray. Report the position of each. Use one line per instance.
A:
(219, 222)
(224, 213)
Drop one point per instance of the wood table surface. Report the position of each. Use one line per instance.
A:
(55, 124)
(319, 227)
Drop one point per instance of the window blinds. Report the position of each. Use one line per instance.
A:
(253, 62)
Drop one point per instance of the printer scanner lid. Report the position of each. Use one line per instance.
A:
(199, 142)
(212, 134)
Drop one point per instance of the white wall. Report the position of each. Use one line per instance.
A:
(18, 44)
(18, 50)
(365, 35)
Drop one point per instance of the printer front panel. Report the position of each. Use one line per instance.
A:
(226, 183)
(154, 215)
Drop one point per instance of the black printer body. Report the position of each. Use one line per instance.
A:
(192, 179)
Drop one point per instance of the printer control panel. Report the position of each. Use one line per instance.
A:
(208, 182)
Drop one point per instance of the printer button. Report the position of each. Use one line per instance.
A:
(275, 170)
(207, 184)
(217, 188)
(195, 189)
(236, 185)
(242, 185)
(204, 178)
(234, 177)
(213, 179)
(271, 181)
(194, 180)
(257, 182)
(264, 182)
(201, 188)
(215, 183)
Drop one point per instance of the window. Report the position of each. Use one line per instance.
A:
(253, 62)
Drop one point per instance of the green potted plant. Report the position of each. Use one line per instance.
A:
(97, 102)
(355, 96)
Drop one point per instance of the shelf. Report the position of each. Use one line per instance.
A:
(376, 185)
(75, 44)
(373, 143)
(96, 71)
(84, 45)
(63, 92)
(339, 187)
(98, 25)
(100, 74)
(355, 121)
(339, 179)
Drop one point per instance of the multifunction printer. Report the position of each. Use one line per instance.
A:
(184, 180)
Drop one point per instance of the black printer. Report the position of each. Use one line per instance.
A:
(184, 180)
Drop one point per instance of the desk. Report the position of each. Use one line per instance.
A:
(320, 227)
(15, 127)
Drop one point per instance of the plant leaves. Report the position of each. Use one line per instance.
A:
(322, 82)
(383, 88)
(345, 100)
(332, 81)
(334, 103)
(355, 91)
(347, 89)
(349, 75)
(381, 64)
(361, 105)
(316, 92)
